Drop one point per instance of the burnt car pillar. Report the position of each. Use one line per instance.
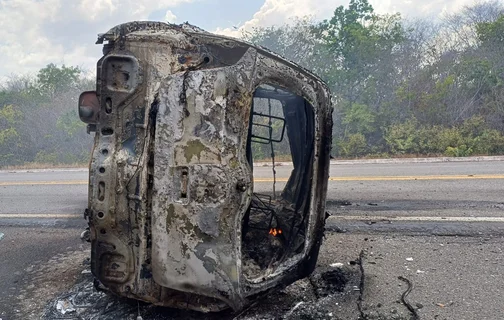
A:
(175, 214)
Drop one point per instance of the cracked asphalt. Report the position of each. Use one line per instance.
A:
(439, 225)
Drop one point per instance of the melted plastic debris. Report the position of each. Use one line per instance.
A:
(337, 265)
(65, 306)
(317, 298)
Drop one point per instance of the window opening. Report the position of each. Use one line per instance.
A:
(281, 126)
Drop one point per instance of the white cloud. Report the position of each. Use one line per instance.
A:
(95, 9)
(275, 12)
(34, 33)
(170, 17)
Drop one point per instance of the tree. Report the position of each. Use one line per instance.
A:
(359, 43)
(10, 117)
(295, 42)
(38, 117)
(53, 80)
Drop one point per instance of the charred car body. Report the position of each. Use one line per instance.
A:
(175, 215)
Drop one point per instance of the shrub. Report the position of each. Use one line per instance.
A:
(46, 157)
(402, 138)
(354, 145)
(470, 137)
(460, 151)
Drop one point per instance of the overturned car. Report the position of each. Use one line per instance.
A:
(178, 214)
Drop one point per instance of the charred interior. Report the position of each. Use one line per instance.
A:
(281, 126)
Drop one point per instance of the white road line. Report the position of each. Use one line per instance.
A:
(418, 218)
(40, 216)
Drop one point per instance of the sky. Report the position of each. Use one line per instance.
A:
(34, 33)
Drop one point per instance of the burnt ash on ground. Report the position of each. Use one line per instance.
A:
(316, 298)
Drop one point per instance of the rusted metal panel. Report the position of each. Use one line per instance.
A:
(171, 177)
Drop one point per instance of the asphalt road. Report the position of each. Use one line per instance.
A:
(420, 192)
(41, 217)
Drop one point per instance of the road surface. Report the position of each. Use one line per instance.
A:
(41, 217)
(419, 192)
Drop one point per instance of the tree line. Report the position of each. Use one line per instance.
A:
(39, 121)
(400, 87)
(405, 87)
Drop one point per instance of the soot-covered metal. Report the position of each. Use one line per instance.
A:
(176, 217)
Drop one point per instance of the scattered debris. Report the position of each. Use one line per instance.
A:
(342, 203)
(294, 309)
(404, 298)
(334, 228)
(444, 305)
(409, 259)
(1, 237)
(86, 303)
(337, 265)
(361, 284)
(420, 271)
(65, 306)
(310, 311)
(310, 299)
(329, 282)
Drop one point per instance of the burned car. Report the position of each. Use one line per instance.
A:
(177, 216)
